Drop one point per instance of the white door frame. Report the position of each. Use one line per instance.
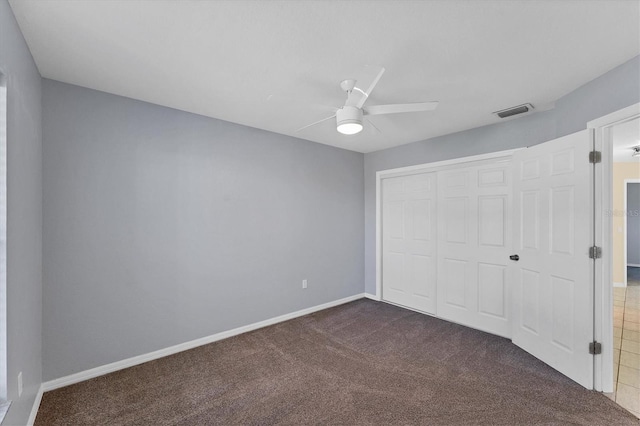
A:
(624, 226)
(410, 170)
(603, 296)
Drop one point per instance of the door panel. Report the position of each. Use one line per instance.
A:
(453, 282)
(474, 243)
(492, 289)
(455, 210)
(529, 301)
(492, 219)
(409, 245)
(552, 280)
(530, 219)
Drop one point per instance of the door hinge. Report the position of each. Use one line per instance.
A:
(595, 157)
(595, 348)
(595, 252)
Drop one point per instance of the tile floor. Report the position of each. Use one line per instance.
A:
(626, 345)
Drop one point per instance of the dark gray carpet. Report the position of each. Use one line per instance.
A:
(363, 363)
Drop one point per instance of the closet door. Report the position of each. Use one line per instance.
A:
(553, 278)
(474, 240)
(409, 241)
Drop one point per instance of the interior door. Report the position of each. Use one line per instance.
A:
(408, 245)
(474, 243)
(553, 282)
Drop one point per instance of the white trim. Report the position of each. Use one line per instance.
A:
(4, 392)
(603, 297)
(624, 225)
(372, 297)
(378, 293)
(4, 409)
(634, 265)
(619, 285)
(421, 168)
(409, 170)
(130, 362)
(36, 406)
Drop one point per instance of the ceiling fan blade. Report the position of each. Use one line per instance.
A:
(398, 108)
(317, 122)
(367, 93)
(294, 103)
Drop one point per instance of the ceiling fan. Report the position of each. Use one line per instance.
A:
(349, 118)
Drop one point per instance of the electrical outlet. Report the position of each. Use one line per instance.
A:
(304, 283)
(19, 384)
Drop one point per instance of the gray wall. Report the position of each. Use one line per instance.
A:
(24, 217)
(162, 226)
(612, 91)
(633, 223)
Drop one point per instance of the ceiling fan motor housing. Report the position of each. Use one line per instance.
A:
(349, 119)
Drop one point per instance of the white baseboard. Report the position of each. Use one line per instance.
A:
(372, 296)
(619, 285)
(4, 409)
(633, 265)
(36, 406)
(130, 362)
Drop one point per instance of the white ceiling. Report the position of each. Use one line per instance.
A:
(224, 59)
(625, 136)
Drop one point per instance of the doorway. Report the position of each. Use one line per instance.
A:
(617, 138)
(632, 225)
(626, 310)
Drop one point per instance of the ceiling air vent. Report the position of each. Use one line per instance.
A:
(510, 112)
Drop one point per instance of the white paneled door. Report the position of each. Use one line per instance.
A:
(474, 243)
(409, 241)
(552, 279)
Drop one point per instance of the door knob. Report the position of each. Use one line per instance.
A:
(514, 257)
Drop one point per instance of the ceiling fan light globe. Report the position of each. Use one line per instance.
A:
(350, 128)
(349, 120)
